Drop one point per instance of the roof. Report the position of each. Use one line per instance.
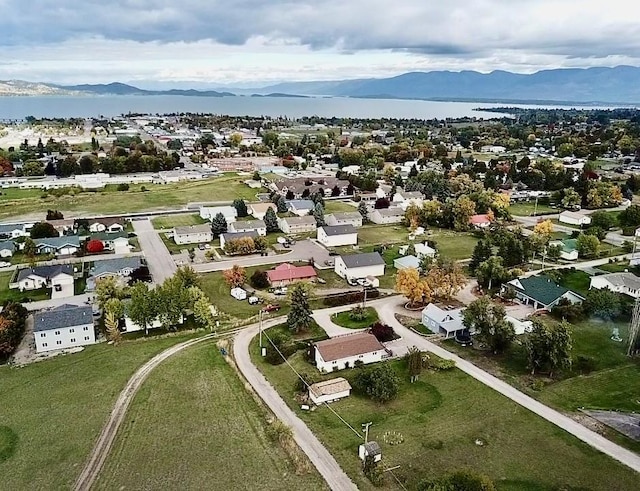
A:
(107, 236)
(59, 242)
(372, 448)
(193, 229)
(107, 221)
(348, 345)
(570, 245)
(288, 271)
(301, 204)
(62, 223)
(62, 316)
(330, 387)
(411, 194)
(362, 260)
(395, 211)
(477, 219)
(248, 224)
(574, 215)
(541, 288)
(307, 220)
(628, 280)
(262, 206)
(239, 235)
(45, 271)
(225, 210)
(347, 215)
(7, 244)
(432, 311)
(10, 227)
(408, 261)
(332, 230)
(115, 265)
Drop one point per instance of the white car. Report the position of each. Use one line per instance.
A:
(4, 264)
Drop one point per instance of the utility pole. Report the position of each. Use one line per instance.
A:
(364, 298)
(260, 327)
(535, 208)
(366, 431)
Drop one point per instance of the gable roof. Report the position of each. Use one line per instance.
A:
(395, 211)
(62, 316)
(239, 235)
(441, 315)
(7, 228)
(540, 288)
(107, 221)
(348, 345)
(262, 207)
(332, 230)
(478, 219)
(7, 244)
(574, 215)
(248, 224)
(362, 260)
(347, 215)
(288, 271)
(301, 204)
(59, 242)
(115, 265)
(330, 387)
(193, 229)
(45, 271)
(306, 220)
(627, 280)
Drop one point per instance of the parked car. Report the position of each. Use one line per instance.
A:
(4, 264)
(363, 282)
(254, 300)
(272, 307)
(280, 291)
(207, 246)
(201, 247)
(352, 282)
(322, 281)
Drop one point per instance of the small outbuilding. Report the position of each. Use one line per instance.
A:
(329, 390)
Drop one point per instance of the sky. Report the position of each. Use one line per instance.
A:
(257, 42)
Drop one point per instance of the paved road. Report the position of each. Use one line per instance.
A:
(388, 307)
(613, 238)
(317, 453)
(161, 265)
(72, 260)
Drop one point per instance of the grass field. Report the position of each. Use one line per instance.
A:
(157, 196)
(170, 221)
(383, 234)
(527, 208)
(575, 280)
(440, 417)
(454, 245)
(218, 291)
(335, 206)
(17, 295)
(344, 319)
(193, 425)
(56, 408)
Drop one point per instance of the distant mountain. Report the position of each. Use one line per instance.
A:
(117, 88)
(22, 88)
(280, 94)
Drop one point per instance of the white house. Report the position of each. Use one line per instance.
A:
(344, 351)
(192, 234)
(625, 283)
(13, 230)
(406, 262)
(110, 225)
(258, 210)
(229, 212)
(329, 390)
(248, 226)
(423, 250)
(406, 198)
(226, 237)
(300, 207)
(337, 235)
(441, 321)
(297, 225)
(56, 277)
(346, 218)
(386, 216)
(62, 226)
(66, 326)
(541, 292)
(569, 248)
(7, 248)
(60, 246)
(573, 218)
(354, 266)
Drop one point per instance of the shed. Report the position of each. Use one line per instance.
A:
(370, 449)
(329, 390)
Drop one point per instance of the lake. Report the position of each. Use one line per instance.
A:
(293, 107)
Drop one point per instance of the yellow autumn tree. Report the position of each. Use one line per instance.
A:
(412, 286)
(445, 279)
(412, 216)
(544, 228)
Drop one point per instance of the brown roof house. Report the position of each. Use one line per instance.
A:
(344, 351)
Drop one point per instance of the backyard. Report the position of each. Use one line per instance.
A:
(15, 294)
(170, 221)
(527, 208)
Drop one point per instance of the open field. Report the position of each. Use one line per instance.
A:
(56, 409)
(454, 245)
(527, 208)
(170, 221)
(440, 418)
(156, 196)
(193, 425)
(344, 319)
(334, 206)
(576, 280)
(16, 295)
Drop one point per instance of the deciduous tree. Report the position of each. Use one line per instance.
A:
(111, 324)
(587, 245)
(235, 277)
(548, 347)
(143, 307)
(411, 285)
(364, 211)
(489, 321)
(43, 230)
(380, 383)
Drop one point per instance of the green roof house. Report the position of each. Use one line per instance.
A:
(541, 292)
(569, 251)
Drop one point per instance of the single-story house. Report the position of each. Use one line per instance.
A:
(229, 212)
(13, 230)
(192, 234)
(63, 227)
(519, 326)
(359, 265)
(248, 226)
(119, 267)
(117, 242)
(480, 221)
(343, 351)
(406, 262)
(106, 225)
(541, 292)
(386, 216)
(60, 246)
(329, 390)
(7, 248)
(369, 197)
(573, 218)
(337, 235)
(55, 276)
(423, 250)
(226, 237)
(297, 225)
(258, 210)
(442, 321)
(346, 218)
(625, 283)
(569, 248)
(300, 207)
(286, 273)
(66, 326)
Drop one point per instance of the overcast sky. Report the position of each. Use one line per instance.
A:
(247, 41)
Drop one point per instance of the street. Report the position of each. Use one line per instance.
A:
(160, 262)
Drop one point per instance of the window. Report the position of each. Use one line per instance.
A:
(57, 333)
(360, 356)
(86, 338)
(71, 330)
(85, 328)
(44, 345)
(58, 342)
(43, 334)
(73, 340)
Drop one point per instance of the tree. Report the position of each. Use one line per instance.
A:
(318, 197)
(335, 191)
(587, 245)
(571, 198)
(187, 276)
(235, 139)
(603, 303)
(33, 168)
(203, 311)
(106, 289)
(29, 248)
(603, 220)
(143, 307)
(491, 272)
(445, 279)
(43, 230)
(413, 216)
(271, 221)
(416, 289)
(12, 327)
(218, 225)
(463, 209)
(458, 481)
(235, 277)
(241, 207)
(544, 228)
(54, 215)
(95, 246)
(172, 300)
(380, 383)
(489, 321)
(260, 279)
(630, 217)
(383, 332)
(242, 246)
(281, 204)
(299, 318)
(364, 211)
(414, 363)
(481, 252)
(318, 214)
(548, 348)
(114, 306)
(260, 243)
(112, 326)
(382, 203)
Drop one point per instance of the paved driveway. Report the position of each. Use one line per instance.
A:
(160, 262)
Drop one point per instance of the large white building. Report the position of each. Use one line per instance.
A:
(297, 225)
(573, 218)
(346, 218)
(229, 212)
(248, 226)
(66, 326)
(337, 235)
(354, 266)
(344, 351)
(192, 234)
(386, 216)
(625, 283)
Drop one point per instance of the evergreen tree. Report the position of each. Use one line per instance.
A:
(318, 214)
(364, 211)
(281, 204)
(241, 207)
(414, 171)
(299, 318)
(218, 225)
(481, 252)
(271, 221)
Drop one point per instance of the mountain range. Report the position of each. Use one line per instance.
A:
(618, 85)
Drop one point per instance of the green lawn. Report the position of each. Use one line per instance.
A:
(193, 425)
(618, 267)
(218, 291)
(170, 221)
(16, 295)
(336, 206)
(454, 245)
(344, 319)
(383, 234)
(172, 246)
(576, 280)
(527, 209)
(440, 417)
(56, 408)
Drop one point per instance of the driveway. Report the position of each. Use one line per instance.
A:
(65, 291)
(160, 262)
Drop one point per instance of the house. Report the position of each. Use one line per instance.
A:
(192, 234)
(541, 292)
(573, 218)
(286, 273)
(60, 246)
(346, 218)
(117, 242)
(406, 198)
(106, 225)
(625, 283)
(13, 231)
(300, 207)
(329, 390)
(7, 248)
(354, 266)
(297, 225)
(344, 351)
(569, 248)
(406, 262)
(229, 212)
(385, 216)
(480, 221)
(63, 227)
(302, 187)
(369, 197)
(249, 226)
(66, 326)
(441, 321)
(337, 235)
(258, 210)
(55, 277)
(423, 250)
(118, 267)
(226, 237)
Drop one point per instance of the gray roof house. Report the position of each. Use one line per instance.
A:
(224, 238)
(45, 272)
(442, 321)
(300, 207)
(65, 245)
(345, 218)
(359, 265)
(66, 326)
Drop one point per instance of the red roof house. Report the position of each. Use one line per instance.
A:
(286, 273)
(480, 221)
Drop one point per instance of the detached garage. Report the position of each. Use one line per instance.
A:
(329, 390)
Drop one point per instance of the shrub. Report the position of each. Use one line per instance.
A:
(442, 364)
(585, 364)
(357, 313)
(379, 383)
(260, 279)
(123, 187)
(349, 297)
(95, 246)
(383, 332)
(566, 310)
